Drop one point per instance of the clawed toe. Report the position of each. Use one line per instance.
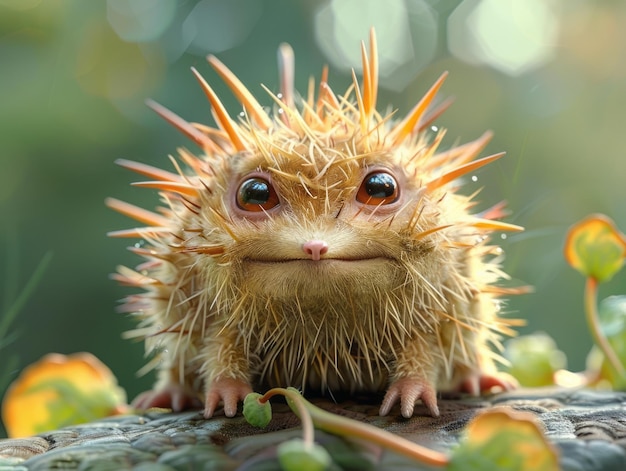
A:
(173, 396)
(408, 391)
(227, 390)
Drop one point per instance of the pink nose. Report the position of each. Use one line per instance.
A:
(315, 249)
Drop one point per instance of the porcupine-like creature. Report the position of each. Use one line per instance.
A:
(322, 245)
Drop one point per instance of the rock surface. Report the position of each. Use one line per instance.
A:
(587, 427)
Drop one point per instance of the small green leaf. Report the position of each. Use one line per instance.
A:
(612, 317)
(297, 455)
(595, 247)
(506, 440)
(257, 413)
(534, 359)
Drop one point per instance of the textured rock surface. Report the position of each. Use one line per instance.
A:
(588, 428)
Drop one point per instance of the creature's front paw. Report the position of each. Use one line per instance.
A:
(479, 382)
(408, 391)
(173, 396)
(228, 390)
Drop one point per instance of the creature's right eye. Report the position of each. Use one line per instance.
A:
(378, 188)
(256, 194)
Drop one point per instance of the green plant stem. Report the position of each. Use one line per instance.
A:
(308, 432)
(344, 426)
(15, 307)
(591, 311)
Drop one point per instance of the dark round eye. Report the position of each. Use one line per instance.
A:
(256, 194)
(378, 188)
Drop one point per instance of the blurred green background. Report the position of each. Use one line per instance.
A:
(548, 76)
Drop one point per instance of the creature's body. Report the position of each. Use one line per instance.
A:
(323, 247)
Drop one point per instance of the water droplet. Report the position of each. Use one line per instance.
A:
(474, 178)
(499, 251)
(139, 244)
(280, 111)
(434, 128)
(242, 114)
(279, 95)
(503, 236)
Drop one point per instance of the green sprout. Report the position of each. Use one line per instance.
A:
(597, 249)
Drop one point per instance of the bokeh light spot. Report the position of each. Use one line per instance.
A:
(216, 25)
(140, 20)
(513, 36)
(406, 32)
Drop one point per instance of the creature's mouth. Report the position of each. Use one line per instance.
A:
(322, 261)
(306, 278)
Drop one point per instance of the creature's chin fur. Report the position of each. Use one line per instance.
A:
(323, 247)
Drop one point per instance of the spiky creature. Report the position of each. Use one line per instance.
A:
(322, 246)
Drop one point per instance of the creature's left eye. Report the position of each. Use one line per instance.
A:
(378, 188)
(256, 194)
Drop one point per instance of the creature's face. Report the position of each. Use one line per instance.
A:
(318, 219)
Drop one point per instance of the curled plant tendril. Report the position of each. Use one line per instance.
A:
(496, 439)
(597, 249)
